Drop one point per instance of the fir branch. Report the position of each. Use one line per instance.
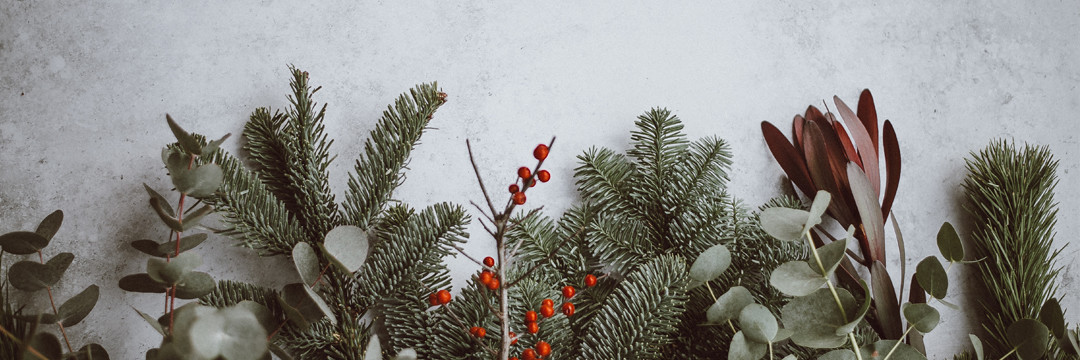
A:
(642, 314)
(268, 149)
(703, 170)
(1011, 196)
(659, 147)
(606, 178)
(380, 169)
(622, 244)
(308, 157)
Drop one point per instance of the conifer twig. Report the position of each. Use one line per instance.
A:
(548, 257)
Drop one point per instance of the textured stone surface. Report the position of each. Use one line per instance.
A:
(85, 85)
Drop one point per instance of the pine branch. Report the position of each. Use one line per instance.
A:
(703, 170)
(606, 178)
(622, 244)
(642, 314)
(308, 157)
(1011, 196)
(659, 148)
(267, 147)
(380, 169)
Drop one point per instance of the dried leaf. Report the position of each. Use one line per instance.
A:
(789, 159)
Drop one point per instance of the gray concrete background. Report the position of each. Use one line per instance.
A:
(85, 85)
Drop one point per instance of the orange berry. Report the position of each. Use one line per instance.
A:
(524, 172)
(590, 280)
(543, 175)
(541, 152)
(514, 340)
(568, 291)
(568, 309)
(493, 284)
(433, 300)
(547, 302)
(443, 297)
(513, 358)
(486, 277)
(519, 198)
(543, 348)
(514, 188)
(528, 354)
(533, 328)
(530, 316)
(478, 331)
(489, 261)
(547, 311)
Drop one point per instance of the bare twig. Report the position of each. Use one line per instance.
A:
(476, 170)
(478, 262)
(482, 211)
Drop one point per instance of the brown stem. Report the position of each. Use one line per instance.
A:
(476, 170)
(64, 333)
(271, 336)
(319, 278)
(20, 342)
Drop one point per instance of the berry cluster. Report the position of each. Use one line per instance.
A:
(441, 297)
(489, 279)
(547, 310)
(528, 179)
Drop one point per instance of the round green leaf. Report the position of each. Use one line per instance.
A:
(45, 343)
(199, 182)
(303, 306)
(831, 254)
(741, 349)
(1029, 337)
(195, 285)
(153, 322)
(77, 307)
(374, 349)
(50, 225)
(841, 354)
(729, 305)
(784, 223)
(165, 213)
(32, 276)
(307, 263)
(796, 278)
(843, 330)
(60, 262)
(922, 316)
(347, 247)
(815, 318)
(1052, 316)
(170, 272)
(148, 247)
(22, 242)
(881, 348)
(758, 323)
(710, 264)
(141, 283)
(406, 354)
(213, 146)
(949, 244)
(790, 357)
(932, 277)
(89, 352)
(977, 344)
(265, 317)
(155, 197)
(231, 333)
(821, 203)
(186, 243)
(186, 141)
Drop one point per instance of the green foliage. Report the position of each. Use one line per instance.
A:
(1010, 192)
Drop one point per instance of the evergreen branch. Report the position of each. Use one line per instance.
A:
(1011, 196)
(620, 243)
(703, 170)
(644, 309)
(659, 148)
(267, 147)
(380, 169)
(605, 178)
(307, 158)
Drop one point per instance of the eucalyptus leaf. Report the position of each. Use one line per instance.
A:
(346, 247)
(1029, 337)
(790, 357)
(374, 349)
(60, 262)
(869, 210)
(757, 323)
(198, 182)
(843, 330)
(193, 220)
(1070, 342)
(50, 225)
(710, 264)
(977, 344)
(148, 247)
(156, 197)
(142, 283)
(742, 349)
(948, 242)
(89, 352)
(231, 333)
(303, 306)
(153, 322)
(23, 242)
(265, 317)
(213, 146)
(32, 276)
(74, 310)
(306, 262)
(796, 278)
(784, 223)
(186, 243)
(186, 141)
(1052, 316)
(166, 216)
(880, 349)
(932, 277)
(821, 203)
(831, 254)
(922, 316)
(782, 334)
(45, 344)
(729, 305)
(170, 272)
(279, 352)
(840, 354)
(815, 318)
(406, 354)
(195, 285)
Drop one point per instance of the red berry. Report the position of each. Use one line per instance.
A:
(493, 284)
(489, 261)
(530, 316)
(528, 354)
(568, 291)
(513, 358)
(443, 297)
(519, 198)
(433, 300)
(547, 310)
(524, 173)
(568, 309)
(547, 303)
(486, 277)
(543, 348)
(514, 340)
(541, 152)
(478, 331)
(590, 280)
(543, 175)
(514, 188)
(533, 327)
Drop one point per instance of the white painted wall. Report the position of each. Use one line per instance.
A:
(84, 87)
